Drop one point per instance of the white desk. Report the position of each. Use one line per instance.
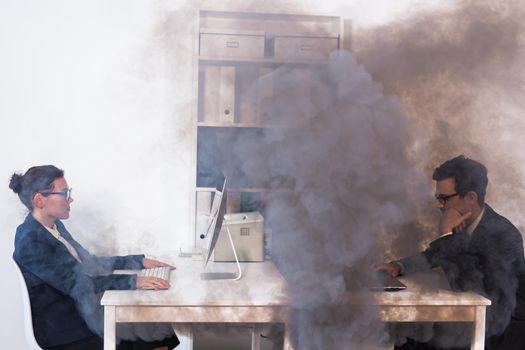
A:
(259, 297)
(418, 304)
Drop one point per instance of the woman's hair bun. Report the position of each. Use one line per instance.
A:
(16, 183)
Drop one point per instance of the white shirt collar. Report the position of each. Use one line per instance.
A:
(53, 230)
(475, 223)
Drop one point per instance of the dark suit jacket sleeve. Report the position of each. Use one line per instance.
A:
(97, 265)
(437, 254)
(114, 282)
(413, 263)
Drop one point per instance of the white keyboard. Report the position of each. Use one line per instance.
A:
(160, 272)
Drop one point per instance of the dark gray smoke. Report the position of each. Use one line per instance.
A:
(348, 172)
(356, 160)
(460, 74)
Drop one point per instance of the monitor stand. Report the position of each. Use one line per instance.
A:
(225, 275)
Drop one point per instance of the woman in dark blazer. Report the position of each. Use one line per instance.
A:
(64, 280)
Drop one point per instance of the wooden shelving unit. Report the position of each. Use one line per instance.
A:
(260, 61)
(243, 125)
(237, 50)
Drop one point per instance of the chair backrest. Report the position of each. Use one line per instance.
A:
(28, 320)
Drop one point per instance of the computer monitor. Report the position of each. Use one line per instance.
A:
(218, 209)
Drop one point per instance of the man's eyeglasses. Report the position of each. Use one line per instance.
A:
(66, 194)
(443, 198)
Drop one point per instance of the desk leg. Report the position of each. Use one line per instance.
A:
(184, 332)
(256, 336)
(109, 328)
(478, 334)
(287, 343)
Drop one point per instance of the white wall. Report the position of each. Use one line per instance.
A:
(94, 88)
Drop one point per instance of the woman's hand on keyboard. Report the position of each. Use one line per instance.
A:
(150, 263)
(152, 283)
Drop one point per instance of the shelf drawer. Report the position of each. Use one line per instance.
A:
(226, 45)
(304, 48)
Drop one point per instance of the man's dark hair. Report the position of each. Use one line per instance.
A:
(36, 179)
(468, 174)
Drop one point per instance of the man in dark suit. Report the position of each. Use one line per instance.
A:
(478, 250)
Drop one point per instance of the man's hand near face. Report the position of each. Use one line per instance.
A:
(452, 221)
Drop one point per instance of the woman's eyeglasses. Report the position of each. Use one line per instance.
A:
(66, 194)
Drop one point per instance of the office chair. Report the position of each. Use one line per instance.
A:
(28, 320)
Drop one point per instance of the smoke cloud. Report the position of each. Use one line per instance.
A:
(360, 138)
(346, 155)
(459, 73)
(357, 161)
